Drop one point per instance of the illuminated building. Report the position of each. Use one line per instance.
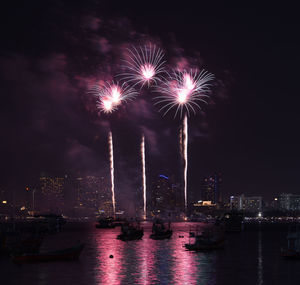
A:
(93, 194)
(210, 188)
(289, 202)
(236, 202)
(247, 204)
(253, 204)
(163, 194)
(52, 190)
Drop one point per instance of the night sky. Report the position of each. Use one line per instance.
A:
(52, 51)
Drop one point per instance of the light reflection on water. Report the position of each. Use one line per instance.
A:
(150, 261)
(250, 257)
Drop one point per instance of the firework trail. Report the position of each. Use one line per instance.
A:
(185, 155)
(110, 95)
(145, 65)
(144, 175)
(112, 170)
(184, 91)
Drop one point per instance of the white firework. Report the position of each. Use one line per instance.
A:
(110, 95)
(184, 91)
(145, 65)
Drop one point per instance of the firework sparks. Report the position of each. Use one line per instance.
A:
(111, 95)
(112, 170)
(184, 91)
(144, 175)
(144, 65)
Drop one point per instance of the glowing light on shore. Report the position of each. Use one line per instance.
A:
(184, 91)
(112, 170)
(144, 175)
(145, 65)
(185, 156)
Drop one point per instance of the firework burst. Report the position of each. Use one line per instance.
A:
(184, 91)
(145, 65)
(111, 95)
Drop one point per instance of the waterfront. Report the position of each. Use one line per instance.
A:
(250, 257)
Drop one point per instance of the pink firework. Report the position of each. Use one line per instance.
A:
(145, 65)
(111, 95)
(184, 90)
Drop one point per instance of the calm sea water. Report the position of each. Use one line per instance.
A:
(251, 257)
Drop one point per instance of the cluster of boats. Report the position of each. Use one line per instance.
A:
(24, 246)
(133, 230)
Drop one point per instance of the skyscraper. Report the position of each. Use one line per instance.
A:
(52, 190)
(210, 188)
(163, 196)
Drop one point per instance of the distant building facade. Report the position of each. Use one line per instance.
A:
(289, 202)
(52, 191)
(247, 204)
(93, 194)
(164, 196)
(211, 188)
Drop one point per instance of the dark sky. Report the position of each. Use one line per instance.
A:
(52, 50)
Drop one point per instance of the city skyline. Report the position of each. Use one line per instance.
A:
(246, 132)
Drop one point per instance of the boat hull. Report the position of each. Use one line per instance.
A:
(206, 246)
(163, 235)
(66, 254)
(133, 236)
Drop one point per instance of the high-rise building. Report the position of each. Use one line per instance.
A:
(248, 204)
(163, 196)
(93, 194)
(289, 202)
(253, 204)
(210, 188)
(52, 190)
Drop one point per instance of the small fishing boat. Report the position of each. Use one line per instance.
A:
(234, 222)
(159, 231)
(107, 223)
(211, 239)
(129, 231)
(292, 251)
(71, 253)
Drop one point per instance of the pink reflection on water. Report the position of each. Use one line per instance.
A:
(185, 269)
(108, 269)
(148, 274)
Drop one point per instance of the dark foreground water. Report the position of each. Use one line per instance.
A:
(251, 257)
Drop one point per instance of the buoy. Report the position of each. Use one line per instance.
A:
(111, 256)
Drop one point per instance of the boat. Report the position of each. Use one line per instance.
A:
(292, 251)
(129, 231)
(233, 221)
(159, 231)
(210, 239)
(107, 223)
(71, 253)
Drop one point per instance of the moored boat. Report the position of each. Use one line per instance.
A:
(234, 222)
(107, 223)
(129, 231)
(159, 231)
(292, 251)
(71, 253)
(210, 239)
